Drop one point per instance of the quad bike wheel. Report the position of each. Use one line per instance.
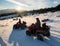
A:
(28, 33)
(47, 34)
(39, 37)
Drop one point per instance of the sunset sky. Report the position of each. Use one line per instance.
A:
(27, 4)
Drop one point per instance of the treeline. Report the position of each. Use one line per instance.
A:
(45, 10)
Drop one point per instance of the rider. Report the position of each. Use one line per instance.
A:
(45, 27)
(38, 23)
(19, 23)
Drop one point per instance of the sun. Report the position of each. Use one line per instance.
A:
(18, 8)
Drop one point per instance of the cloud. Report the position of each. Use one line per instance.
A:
(32, 3)
(56, 2)
(18, 3)
(35, 4)
(1, 8)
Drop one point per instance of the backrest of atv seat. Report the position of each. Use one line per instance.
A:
(47, 27)
(44, 25)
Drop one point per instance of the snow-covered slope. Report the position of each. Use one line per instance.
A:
(10, 37)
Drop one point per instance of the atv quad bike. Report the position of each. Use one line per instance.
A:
(38, 33)
(21, 26)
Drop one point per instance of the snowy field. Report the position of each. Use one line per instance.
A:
(10, 37)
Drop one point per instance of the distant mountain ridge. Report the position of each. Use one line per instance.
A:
(7, 11)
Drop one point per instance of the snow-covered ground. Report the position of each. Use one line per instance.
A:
(10, 37)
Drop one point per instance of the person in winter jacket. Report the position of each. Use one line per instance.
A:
(19, 21)
(45, 27)
(38, 23)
